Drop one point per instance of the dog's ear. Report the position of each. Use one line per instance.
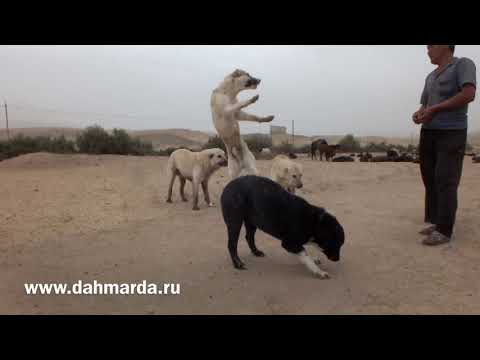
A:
(237, 73)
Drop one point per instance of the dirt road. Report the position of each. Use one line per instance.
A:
(65, 218)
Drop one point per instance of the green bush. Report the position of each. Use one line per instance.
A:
(374, 147)
(121, 142)
(21, 144)
(303, 150)
(61, 145)
(350, 144)
(139, 148)
(95, 140)
(257, 142)
(411, 148)
(214, 142)
(283, 148)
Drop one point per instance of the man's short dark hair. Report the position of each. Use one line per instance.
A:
(452, 48)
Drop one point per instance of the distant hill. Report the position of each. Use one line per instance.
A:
(164, 138)
(69, 133)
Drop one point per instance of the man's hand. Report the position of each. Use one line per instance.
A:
(424, 115)
(464, 97)
(427, 115)
(417, 115)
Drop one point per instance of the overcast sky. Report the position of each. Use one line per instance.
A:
(329, 90)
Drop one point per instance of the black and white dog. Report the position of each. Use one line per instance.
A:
(261, 203)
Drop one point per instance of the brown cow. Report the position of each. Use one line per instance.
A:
(365, 157)
(328, 150)
(314, 147)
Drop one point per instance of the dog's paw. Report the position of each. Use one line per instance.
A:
(211, 204)
(169, 201)
(239, 265)
(268, 118)
(195, 208)
(258, 253)
(322, 275)
(254, 99)
(184, 199)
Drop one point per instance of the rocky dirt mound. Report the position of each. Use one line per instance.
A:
(44, 160)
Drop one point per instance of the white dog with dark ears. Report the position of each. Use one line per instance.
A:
(227, 112)
(287, 173)
(196, 167)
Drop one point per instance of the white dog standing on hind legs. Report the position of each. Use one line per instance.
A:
(227, 112)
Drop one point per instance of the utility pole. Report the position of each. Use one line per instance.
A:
(6, 117)
(293, 133)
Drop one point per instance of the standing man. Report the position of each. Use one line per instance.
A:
(448, 91)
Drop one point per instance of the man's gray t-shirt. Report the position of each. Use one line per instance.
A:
(444, 86)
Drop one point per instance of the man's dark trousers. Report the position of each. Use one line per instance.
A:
(441, 164)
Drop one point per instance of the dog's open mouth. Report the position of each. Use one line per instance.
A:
(252, 83)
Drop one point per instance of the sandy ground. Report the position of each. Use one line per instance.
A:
(66, 218)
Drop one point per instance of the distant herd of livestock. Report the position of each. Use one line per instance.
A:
(321, 148)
